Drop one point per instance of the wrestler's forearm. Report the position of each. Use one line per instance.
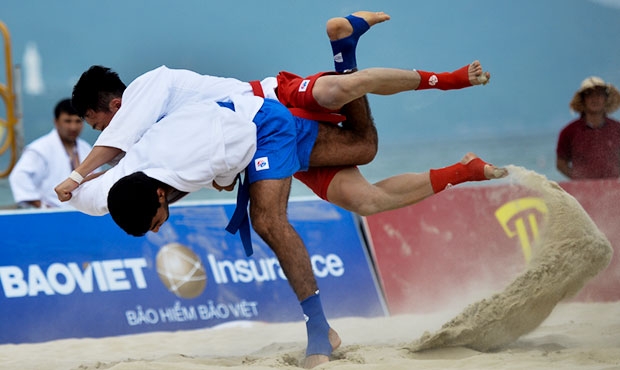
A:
(94, 175)
(99, 156)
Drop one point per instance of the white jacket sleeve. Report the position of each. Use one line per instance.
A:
(91, 197)
(27, 175)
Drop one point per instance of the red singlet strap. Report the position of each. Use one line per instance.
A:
(257, 89)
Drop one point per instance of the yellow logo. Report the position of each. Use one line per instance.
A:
(517, 215)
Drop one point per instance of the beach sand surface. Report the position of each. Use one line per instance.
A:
(575, 335)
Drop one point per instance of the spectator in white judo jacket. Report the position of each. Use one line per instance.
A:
(48, 160)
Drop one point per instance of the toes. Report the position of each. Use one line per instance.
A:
(372, 18)
(495, 172)
(483, 78)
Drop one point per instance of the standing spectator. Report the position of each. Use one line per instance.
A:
(589, 147)
(48, 160)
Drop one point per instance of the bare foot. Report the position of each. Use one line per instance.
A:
(339, 27)
(490, 171)
(476, 75)
(315, 360)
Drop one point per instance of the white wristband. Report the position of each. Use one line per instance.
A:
(75, 176)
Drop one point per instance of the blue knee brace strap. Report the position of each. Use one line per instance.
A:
(344, 49)
(316, 327)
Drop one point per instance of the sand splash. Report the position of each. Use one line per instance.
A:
(570, 251)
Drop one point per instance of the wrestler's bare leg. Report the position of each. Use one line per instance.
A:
(357, 136)
(268, 205)
(334, 91)
(351, 191)
(359, 128)
(354, 143)
(268, 212)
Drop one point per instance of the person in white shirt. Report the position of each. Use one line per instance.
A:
(48, 160)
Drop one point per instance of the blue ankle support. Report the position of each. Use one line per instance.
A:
(344, 49)
(316, 327)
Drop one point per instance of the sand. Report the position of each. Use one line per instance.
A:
(570, 251)
(576, 335)
(528, 325)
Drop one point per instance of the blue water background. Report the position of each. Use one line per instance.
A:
(537, 51)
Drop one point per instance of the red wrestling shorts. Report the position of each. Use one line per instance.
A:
(296, 92)
(319, 178)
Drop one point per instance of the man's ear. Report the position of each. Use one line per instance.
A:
(115, 105)
(161, 194)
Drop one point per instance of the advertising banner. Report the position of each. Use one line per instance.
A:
(66, 274)
(465, 243)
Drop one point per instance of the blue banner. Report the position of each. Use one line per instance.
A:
(65, 274)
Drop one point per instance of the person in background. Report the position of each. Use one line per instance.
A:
(48, 160)
(589, 147)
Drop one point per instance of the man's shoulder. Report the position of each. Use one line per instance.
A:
(161, 70)
(83, 142)
(43, 143)
(574, 124)
(153, 73)
(613, 121)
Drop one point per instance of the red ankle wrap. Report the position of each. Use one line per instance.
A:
(446, 80)
(457, 173)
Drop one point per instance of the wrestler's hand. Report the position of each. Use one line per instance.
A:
(64, 189)
(230, 187)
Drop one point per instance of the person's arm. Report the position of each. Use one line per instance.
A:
(91, 197)
(143, 103)
(563, 151)
(26, 177)
(29, 204)
(230, 187)
(564, 167)
(99, 156)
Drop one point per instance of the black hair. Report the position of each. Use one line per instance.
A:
(64, 106)
(133, 202)
(95, 89)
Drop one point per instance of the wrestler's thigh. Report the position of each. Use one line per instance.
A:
(269, 199)
(335, 146)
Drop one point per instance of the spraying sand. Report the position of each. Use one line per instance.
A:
(570, 251)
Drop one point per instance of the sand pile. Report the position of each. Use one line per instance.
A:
(570, 251)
